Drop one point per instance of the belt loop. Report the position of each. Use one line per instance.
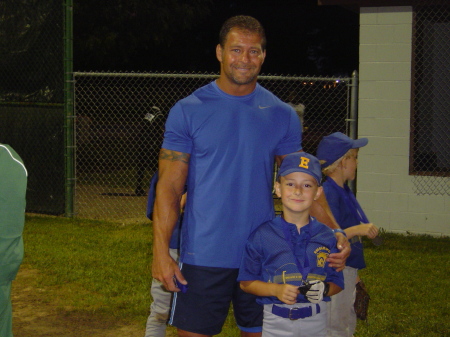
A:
(317, 308)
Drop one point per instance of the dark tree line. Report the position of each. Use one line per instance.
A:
(174, 35)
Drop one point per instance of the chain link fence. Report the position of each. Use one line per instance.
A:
(119, 129)
(430, 145)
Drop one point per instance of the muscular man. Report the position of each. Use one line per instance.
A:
(221, 142)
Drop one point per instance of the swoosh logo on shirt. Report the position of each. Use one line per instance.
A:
(264, 107)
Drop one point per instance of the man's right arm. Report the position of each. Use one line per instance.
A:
(173, 170)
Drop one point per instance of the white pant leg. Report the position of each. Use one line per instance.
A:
(276, 326)
(341, 312)
(160, 307)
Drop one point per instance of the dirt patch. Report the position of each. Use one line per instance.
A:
(35, 316)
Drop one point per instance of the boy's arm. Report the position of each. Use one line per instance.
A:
(286, 293)
(364, 229)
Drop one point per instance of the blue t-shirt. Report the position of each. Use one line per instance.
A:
(345, 218)
(268, 257)
(232, 142)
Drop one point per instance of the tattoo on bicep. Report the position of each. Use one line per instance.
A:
(174, 156)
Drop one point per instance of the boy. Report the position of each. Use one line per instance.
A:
(338, 155)
(284, 259)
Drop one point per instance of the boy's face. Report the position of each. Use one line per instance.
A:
(297, 191)
(350, 164)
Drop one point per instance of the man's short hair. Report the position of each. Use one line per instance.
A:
(242, 22)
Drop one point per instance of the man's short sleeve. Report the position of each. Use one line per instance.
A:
(177, 136)
(293, 139)
(251, 264)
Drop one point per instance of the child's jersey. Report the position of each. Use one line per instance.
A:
(346, 218)
(268, 256)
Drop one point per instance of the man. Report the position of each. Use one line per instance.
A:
(13, 184)
(221, 142)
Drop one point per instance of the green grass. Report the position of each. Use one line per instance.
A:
(103, 268)
(97, 267)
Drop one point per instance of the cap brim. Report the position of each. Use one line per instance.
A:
(285, 173)
(357, 143)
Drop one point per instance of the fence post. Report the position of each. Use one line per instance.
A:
(353, 116)
(68, 108)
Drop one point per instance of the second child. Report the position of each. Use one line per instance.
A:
(338, 155)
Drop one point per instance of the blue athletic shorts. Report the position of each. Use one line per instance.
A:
(204, 307)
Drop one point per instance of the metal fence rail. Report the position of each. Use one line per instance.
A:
(119, 128)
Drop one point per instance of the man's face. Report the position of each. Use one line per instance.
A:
(241, 57)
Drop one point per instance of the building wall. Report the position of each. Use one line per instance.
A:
(385, 189)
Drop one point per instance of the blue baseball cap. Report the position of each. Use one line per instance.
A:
(334, 146)
(301, 162)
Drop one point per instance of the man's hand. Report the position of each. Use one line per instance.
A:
(165, 270)
(337, 260)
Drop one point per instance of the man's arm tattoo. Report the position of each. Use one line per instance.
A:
(174, 156)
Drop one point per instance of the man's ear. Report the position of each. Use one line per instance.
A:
(277, 189)
(219, 52)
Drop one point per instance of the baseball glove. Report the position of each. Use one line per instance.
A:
(361, 301)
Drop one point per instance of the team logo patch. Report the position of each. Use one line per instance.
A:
(304, 162)
(321, 255)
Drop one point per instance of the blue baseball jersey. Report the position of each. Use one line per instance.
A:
(346, 218)
(268, 256)
(232, 142)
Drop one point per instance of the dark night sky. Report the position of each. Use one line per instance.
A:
(303, 39)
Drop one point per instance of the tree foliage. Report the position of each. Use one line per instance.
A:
(120, 32)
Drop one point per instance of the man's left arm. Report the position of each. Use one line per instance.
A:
(322, 212)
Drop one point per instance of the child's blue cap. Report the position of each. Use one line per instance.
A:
(301, 162)
(334, 146)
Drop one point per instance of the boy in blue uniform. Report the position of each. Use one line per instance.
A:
(338, 155)
(284, 261)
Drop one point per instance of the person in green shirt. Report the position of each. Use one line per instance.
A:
(13, 185)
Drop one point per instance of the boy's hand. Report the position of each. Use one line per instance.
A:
(287, 293)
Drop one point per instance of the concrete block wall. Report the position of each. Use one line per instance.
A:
(384, 188)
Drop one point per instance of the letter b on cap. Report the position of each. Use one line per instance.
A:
(304, 162)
